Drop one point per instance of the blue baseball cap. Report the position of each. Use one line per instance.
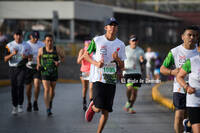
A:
(110, 21)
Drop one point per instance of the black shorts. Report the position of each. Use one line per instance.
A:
(194, 114)
(133, 79)
(31, 74)
(103, 95)
(179, 100)
(50, 77)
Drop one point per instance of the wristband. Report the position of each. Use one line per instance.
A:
(186, 87)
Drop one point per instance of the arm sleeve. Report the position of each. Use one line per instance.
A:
(92, 47)
(169, 60)
(187, 66)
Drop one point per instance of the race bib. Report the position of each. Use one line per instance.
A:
(16, 58)
(109, 73)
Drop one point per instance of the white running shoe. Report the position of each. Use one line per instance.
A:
(20, 108)
(14, 111)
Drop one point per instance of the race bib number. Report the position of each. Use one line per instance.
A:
(109, 73)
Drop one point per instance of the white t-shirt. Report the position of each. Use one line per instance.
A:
(35, 47)
(22, 48)
(103, 49)
(132, 63)
(193, 100)
(148, 57)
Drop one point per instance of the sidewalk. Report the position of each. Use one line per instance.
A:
(162, 93)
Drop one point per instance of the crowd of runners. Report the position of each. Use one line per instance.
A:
(29, 63)
(103, 60)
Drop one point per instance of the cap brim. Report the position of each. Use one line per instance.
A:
(134, 39)
(111, 23)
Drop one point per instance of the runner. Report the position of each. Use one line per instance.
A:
(177, 56)
(150, 57)
(192, 67)
(132, 72)
(109, 52)
(85, 69)
(48, 62)
(157, 65)
(32, 74)
(17, 55)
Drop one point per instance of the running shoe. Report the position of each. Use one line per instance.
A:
(49, 113)
(131, 110)
(29, 107)
(35, 106)
(20, 108)
(89, 113)
(187, 129)
(84, 105)
(127, 106)
(14, 111)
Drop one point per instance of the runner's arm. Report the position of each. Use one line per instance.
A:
(168, 62)
(80, 56)
(92, 48)
(9, 55)
(186, 68)
(39, 57)
(91, 61)
(61, 54)
(119, 62)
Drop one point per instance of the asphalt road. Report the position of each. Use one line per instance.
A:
(68, 116)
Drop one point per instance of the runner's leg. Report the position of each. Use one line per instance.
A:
(178, 119)
(103, 120)
(46, 85)
(90, 91)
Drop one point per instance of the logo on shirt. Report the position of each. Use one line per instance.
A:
(103, 50)
(181, 60)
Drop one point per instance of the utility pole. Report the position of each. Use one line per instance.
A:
(55, 25)
(157, 6)
(135, 4)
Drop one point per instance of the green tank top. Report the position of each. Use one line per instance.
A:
(47, 62)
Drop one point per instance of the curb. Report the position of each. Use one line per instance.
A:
(7, 82)
(4, 83)
(158, 97)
